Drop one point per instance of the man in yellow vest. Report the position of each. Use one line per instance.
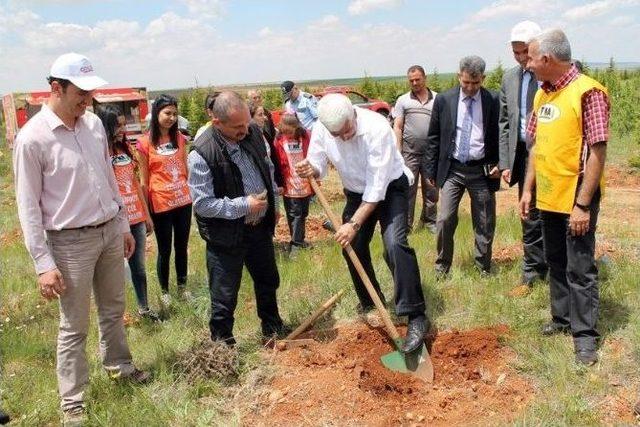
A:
(569, 130)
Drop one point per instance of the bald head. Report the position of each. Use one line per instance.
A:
(226, 104)
(255, 96)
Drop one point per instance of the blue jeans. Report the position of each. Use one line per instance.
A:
(137, 264)
(297, 210)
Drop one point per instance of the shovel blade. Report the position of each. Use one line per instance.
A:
(417, 363)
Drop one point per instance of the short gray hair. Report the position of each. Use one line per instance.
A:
(473, 65)
(554, 42)
(226, 103)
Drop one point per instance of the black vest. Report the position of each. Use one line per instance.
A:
(227, 182)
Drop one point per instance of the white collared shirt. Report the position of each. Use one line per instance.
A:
(476, 143)
(366, 163)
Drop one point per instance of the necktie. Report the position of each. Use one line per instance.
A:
(524, 102)
(465, 135)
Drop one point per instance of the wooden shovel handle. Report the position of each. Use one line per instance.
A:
(391, 329)
(311, 319)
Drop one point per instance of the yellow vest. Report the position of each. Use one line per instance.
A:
(558, 144)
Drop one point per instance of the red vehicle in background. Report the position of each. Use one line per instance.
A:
(357, 98)
(18, 108)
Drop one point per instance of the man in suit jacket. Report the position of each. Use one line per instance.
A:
(462, 153)
(519, 86)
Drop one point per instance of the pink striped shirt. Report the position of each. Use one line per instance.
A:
(63, 179)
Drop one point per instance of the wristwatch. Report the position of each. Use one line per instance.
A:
(583, 208)
(354, 224)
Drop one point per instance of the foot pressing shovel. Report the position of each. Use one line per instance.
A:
(417, 363)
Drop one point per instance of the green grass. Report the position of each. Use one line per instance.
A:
(564, 395)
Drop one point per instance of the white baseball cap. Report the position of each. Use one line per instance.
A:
(78, 70)
(525, 31)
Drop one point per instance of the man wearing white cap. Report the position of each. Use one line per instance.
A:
(75, 227)
(362, 147)
(518, 89)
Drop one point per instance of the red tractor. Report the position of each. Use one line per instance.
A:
(357, 98)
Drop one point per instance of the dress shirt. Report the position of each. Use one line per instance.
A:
(63, 179)
(366, 163)
(524, 90)
(207, 205)
(476, 143)
(305, 107)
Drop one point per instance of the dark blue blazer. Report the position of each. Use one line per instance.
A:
(441, 139)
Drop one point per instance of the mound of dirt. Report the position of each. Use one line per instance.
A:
(342, 382)
(314, 230)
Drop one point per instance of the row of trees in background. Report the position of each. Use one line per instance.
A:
(623, 87)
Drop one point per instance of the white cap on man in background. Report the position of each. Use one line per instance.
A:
(78, 70)
(525, 31)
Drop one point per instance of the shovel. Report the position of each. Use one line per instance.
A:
(417, 363)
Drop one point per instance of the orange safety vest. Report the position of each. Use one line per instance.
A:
(125, 172)
(167, 171)
(559, 143)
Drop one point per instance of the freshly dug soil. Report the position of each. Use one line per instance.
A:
(342, 382)
(314, 231)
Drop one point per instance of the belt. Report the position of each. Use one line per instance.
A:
(478, 162)
(90, 227)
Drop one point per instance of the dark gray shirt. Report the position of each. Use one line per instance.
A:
(417, 116)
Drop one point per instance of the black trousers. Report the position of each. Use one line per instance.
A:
(400, 257)
(172, 225)
(573, 275)
(297, 209)
(225, 265)
(534, 266)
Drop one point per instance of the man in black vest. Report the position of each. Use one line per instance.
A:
(234, 200)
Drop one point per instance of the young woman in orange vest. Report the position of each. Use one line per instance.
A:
(163, 166)
(125, 169)
(290, 147)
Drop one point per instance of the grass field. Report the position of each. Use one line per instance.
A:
(564, 394)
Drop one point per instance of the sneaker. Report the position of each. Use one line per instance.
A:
(74, 417)
(166, 300)
(136, 376)
(4, 417)
(187, 296)
(147, 313)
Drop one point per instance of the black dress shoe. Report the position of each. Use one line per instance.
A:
(4, 418)
(586, 356)
(415, 334)
(553, 328)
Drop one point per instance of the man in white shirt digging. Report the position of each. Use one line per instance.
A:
(362, 147)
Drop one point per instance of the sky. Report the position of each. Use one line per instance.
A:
(163, 44)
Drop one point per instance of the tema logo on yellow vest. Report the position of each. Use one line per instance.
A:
(548, 113)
